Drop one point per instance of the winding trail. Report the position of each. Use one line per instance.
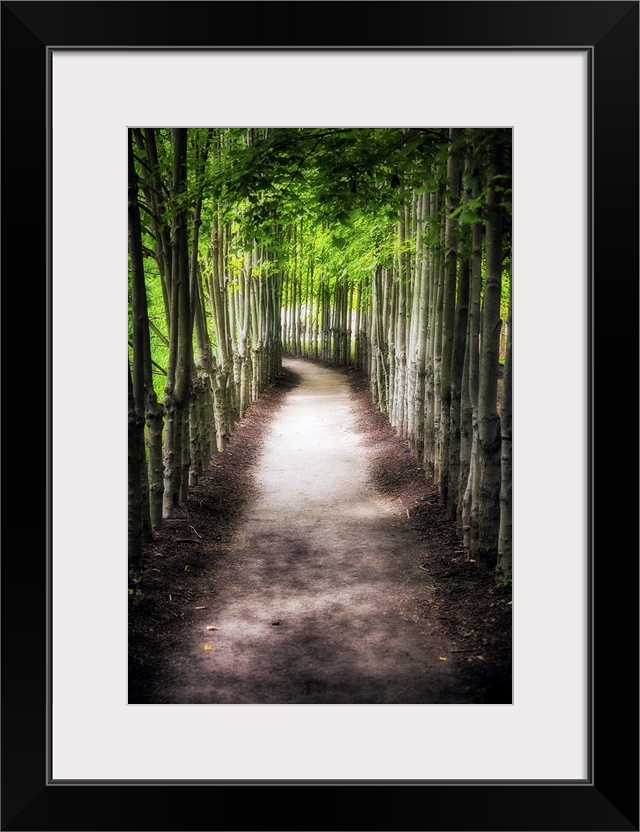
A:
(311, 603)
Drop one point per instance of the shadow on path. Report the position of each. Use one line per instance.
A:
(307, 602)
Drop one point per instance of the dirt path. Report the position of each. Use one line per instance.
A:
(314, 600)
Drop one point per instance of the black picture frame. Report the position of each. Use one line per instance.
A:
(608, 799)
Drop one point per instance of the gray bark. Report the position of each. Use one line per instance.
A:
(505, 531)
(489, 439)
(448, 322)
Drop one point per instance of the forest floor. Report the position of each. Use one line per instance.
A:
(313, 563)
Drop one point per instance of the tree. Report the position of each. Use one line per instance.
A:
(489, 440)
(505, 531)
(177, 387)
(350, 246)
(146, 403)
(447, 488)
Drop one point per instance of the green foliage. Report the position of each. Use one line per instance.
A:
(326, 174)
(322, 201)
(504, 294)
(470, 211)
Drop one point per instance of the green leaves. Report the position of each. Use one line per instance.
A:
(470, 211)
(469, 217)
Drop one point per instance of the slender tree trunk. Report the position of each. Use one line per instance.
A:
(205, 371)
(156, 195)
(457, 369)
(276, 338)
(177, 389)
(432, 290)
(401, 330)
(220, 382)
(299, 264)
(489, 439)
(466, 413)
(391, 308)
(374, 347)
(357, 352)
(245, 354)
(505, 532)
(326, 324)
(412, 360)
(448, 322)
(470, 504)
(466, 410)
(141, 347)
(381, 347)
(256, 321)
(465, 420)
(437, 363)
(200, 410)
(135, 455)
(422, 331)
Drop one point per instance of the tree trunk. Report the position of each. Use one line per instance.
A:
(135, 456)
(401, 331)
(141, 346)
(200, 409)
(422, 330)
(412, 351)
(437, 362)
(457, 368)
(217, 300)
(177, 390)
(489, 440)
(429, 397)
(504, 536)
(470, 503)
(448, 321)
(156, 195)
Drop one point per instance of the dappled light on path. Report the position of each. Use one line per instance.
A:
(308, 605)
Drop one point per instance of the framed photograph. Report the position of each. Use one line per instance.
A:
(563, 76)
